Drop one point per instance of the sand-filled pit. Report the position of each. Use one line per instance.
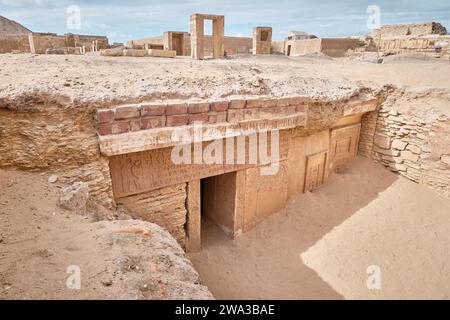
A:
(321, 246)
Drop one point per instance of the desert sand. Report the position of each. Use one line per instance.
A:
(97, 78)
(321, 245)
(39, 242)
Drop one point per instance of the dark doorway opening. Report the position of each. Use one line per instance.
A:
(218, 201)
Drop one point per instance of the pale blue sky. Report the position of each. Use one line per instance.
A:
(131, 19)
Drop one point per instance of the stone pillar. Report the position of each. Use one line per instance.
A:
(197, 32)
(193, 224)
(218, 34)
(262, 40)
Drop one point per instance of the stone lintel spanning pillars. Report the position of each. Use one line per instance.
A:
(198, 33)
(262, 40)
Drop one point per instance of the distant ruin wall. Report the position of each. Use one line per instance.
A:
(302, 47)
(412, 138)
(414, 44)
(40, 42)
(17, 43)
(421, 29)
(338, 47)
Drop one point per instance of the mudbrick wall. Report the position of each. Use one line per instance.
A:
(410, 135)
(138, 117)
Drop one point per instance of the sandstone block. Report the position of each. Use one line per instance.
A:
(153, 122)
(135, 124)
(153, 110)
(135, 52)
(408, 155)
(237, 104)
(382, 141)
(399, 144)
(175, 109)
(104, 129)
(75, 197)
(219, 106)
(198, 117)
(446, 159)
(198, 107)
(217, 117)
(105, 116)
(120, 127)
(300, 108)
(235, 115)
(177, 120)
(414, 149)
(162, 53)
(126, 112)
(393, 153)
(114, 52)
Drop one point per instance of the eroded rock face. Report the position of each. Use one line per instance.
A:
(75, 198)
(150, 262)
(410, 135)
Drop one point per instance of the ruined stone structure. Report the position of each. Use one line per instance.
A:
(262, 40)
(41, 42)
(138, 141)
(420, 29)
(333, 47)
(197, 35)
(13, 36)
(178, 41)
(146, 43)
(411, 138)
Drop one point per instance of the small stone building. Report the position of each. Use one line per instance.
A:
(262, 40)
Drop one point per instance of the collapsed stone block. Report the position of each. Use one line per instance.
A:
(135, 52)
(162, 53)
(75, 198)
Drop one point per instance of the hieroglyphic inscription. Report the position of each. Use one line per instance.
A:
(139, 172)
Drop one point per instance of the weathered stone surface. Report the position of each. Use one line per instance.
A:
(237, 104)
(126, 112)
(382, 141)
(399, 144)
(446, 159)
(153, 110)
(175, 109)
(219, 106)
(408, 155)
(165, 207)
(394, 153)
(162, 53)
(198, 107)
(414, 149)
(74, 198)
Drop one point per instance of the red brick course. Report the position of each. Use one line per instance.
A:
(174, 109)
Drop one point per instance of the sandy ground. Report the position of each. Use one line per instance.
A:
(102, 78)
(117, 259)
(321, 246)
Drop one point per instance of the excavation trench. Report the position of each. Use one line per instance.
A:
(125, 153)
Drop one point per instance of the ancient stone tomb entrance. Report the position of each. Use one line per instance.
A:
(198, 35)
(218, 200)
(213, 198)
